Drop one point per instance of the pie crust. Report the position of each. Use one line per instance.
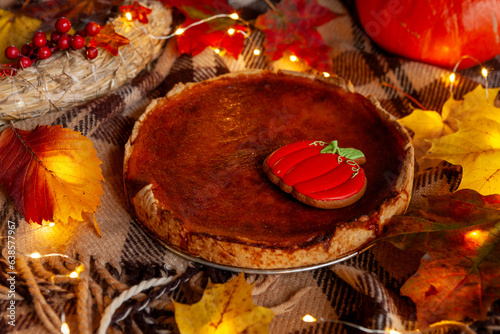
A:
(192, 169)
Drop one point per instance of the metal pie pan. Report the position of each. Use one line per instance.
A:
(256, 270)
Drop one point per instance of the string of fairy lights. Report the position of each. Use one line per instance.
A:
(75, 274)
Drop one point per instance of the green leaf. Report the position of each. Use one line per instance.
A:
(349, 153)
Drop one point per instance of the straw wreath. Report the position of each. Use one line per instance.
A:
(68, 78)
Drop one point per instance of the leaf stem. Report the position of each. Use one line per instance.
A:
(270, 4)
(405, 94)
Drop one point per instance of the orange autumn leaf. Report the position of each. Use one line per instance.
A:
(108, 38)
(52, 173)
(224, 308)
(137, 12)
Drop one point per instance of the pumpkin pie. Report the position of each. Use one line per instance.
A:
(193, 169)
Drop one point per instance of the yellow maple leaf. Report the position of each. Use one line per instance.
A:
(15, 29)
(475, 104)
(476, 147)
(428, 125)
(224, 308)
(52, 173)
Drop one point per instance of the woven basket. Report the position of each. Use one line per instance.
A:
(68, 78)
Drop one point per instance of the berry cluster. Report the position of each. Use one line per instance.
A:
(42, 48)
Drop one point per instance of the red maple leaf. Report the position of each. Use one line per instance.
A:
(213, 33)
(459, 277)
(107, 38)
(52, 173)
(137, 12)
(292, 27)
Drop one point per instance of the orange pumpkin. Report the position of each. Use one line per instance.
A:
(435, 32)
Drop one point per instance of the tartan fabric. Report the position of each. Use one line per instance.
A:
(363, 290)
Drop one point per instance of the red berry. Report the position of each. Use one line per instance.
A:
(39, 33)
(77, 42)
(91, 52)
(54, 36)
(39, 40)
(11, 52)
(63, 25)
(63, 42)
(43, 52)
(81, 32)
(24, 62)
(27, 49)
(92, 28)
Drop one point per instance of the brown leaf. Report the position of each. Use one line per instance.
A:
(459, 276)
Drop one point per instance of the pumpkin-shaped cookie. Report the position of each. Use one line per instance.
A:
(318, 174)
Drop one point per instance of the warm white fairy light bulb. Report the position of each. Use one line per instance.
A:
(216, 50)
(484, 72)
(256, 52)
(179, 31)
(231, 31)
(293, 58)
(326, 74)
(452, 77)
(234, 16)
(35, 255)
(74, 274)
(128, 16)
(52, 224)
(308, 318)
(65, 328)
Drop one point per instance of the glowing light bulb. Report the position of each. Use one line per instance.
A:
(216, 50)
(326, 74)
(452, 77)
(308, 318)
(35, 255)
(234, 16)
(179, 31)
(256, 52)
(65, 328)
(484, 72)
(393, 331)
(128, 16)
(293, 58)
(476, 237)
(52, 224)
(231, 31)
(74, 274)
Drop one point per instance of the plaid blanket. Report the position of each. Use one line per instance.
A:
(363, 290)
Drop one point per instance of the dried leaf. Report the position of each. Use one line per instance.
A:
(459, 277)
(15, 29)
(212, 33)
(476, 147)
(52, 173)
(293, 28)
(467, 133)
(224, 308)
(107, 38)
(426, 125)
(74, 10)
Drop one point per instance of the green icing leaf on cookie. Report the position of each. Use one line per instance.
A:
(349, 153)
